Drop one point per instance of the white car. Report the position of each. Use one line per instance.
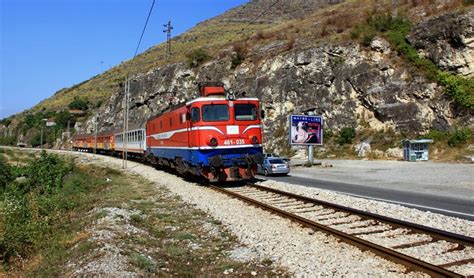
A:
(273, 165)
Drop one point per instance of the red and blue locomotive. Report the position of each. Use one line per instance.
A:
(216, 136)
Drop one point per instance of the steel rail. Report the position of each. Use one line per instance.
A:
(408, 261)
(435, 233)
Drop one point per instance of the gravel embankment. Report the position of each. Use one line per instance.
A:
(301, 251)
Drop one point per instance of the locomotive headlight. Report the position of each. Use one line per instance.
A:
(254, 140)
(213, 142)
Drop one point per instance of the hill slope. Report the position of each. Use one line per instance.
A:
(348, 61)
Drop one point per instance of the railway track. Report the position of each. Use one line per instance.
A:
(419, 248)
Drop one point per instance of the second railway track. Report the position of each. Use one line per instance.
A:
(419, 248)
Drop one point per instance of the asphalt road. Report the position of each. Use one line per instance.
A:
(461, 208)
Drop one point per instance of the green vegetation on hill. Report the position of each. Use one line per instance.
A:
(396, 29)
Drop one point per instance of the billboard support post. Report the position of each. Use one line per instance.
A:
(311, 155)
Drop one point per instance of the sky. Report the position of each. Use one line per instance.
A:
(47, 45)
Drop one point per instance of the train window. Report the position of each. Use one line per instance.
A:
(215, 112)
(245, 112)
(195, 114)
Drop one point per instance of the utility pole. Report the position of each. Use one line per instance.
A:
(42, 125)
(125, 124)
(41, 144)
(95, 136)
(69, 144)
(168, 38)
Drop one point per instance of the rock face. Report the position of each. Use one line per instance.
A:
(348, 84)
(448, 41)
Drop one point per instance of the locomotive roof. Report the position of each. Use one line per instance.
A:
(188, 102)
(217, 98)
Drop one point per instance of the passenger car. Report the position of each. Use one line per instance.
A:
(273, 165)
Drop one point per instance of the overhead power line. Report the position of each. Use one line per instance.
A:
(127, 92)
(144, 28)
(262, 13)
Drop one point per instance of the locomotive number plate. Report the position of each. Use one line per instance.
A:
(228, 142)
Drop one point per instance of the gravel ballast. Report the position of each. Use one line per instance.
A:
(302, 251)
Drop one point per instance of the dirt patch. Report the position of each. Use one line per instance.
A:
(155, 233)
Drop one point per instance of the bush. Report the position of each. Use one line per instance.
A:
(346, 135)
(6, 174)
(240, 51)
(36, 120)
(46, 173)
(367, 38)
(236, 60)
(8, 140)
(459, 137)
(197, 57)
(63, 117)
(461, 90)
(6, 122)
(79, 104)
(16, 237)
(36, 139)
(31, 208)
(327, 133)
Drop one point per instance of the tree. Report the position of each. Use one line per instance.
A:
(197, 57)
(63, 117)
(79, 104)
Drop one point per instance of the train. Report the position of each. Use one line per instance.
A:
(216, 136)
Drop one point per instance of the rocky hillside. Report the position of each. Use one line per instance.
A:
(405, 67)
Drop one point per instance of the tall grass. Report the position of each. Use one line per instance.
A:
(35, 209)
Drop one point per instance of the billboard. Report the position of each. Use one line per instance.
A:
(306, 130)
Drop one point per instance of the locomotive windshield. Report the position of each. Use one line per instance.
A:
(215, 113)
(245, 112)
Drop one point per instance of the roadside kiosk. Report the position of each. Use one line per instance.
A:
(416, 150)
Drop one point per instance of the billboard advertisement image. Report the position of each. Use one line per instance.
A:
(306, 130)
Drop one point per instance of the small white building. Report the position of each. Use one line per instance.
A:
(50, 122)
(416, 150)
